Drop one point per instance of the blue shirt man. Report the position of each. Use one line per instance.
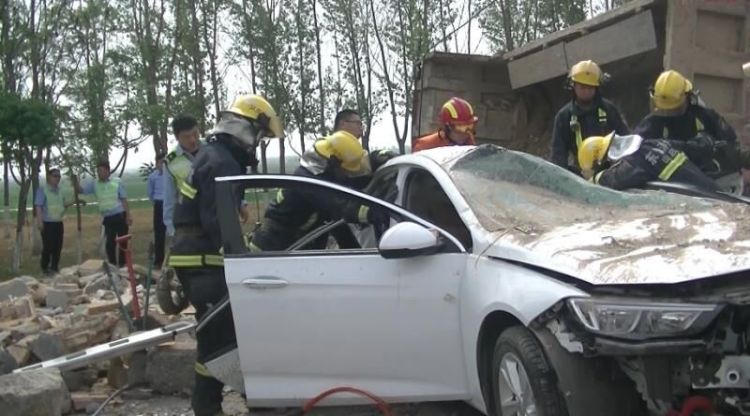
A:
(179, 161)
(50, 205)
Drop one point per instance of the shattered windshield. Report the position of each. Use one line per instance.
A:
(508, 189)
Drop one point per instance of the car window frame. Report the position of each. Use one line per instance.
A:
(231, 233)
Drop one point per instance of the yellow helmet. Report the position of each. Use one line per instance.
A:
(258, 108)
(591, 153)
(670, 91)
(586, 73)
(347, 149)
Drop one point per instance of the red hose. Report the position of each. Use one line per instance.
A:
(694, 404)
(381, 405)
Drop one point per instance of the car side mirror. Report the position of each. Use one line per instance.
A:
(407, 239)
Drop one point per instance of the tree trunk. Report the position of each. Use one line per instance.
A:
(20, 219)
(321, 87)
(386, 75)
(6, 196)
(210, 44)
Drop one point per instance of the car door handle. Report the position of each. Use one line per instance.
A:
(265, 282)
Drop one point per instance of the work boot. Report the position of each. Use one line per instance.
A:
(207, 396)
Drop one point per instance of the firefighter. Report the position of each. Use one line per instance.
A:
(458, 121)
(338, 158)
(587, 114)
(681, 116)
(196, 251)
(624, 162)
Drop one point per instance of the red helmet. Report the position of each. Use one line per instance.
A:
(457, 111)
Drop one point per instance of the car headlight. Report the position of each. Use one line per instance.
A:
(640, 319)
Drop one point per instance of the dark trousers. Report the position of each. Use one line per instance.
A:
(160, 231)
(52, 241)
(115, 226)
(204, 287)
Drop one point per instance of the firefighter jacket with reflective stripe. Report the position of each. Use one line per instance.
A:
(655, 160)
(296, 211)
(574, 124)
(106, 194)
(696, 119)
(197, 241)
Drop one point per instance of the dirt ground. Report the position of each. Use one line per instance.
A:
(234, 405)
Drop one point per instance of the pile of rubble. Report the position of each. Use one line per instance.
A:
(41, 319)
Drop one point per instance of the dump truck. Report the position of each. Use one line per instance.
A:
(517, 94)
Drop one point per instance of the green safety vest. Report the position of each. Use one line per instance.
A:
(55, 204)
(106, 194)
(179, 167)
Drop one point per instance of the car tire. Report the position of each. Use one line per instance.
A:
(523, 380)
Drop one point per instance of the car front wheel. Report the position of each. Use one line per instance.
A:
(523, 381)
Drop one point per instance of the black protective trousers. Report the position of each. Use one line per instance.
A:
(160, 231)
(52, 242)
(205, 287)
(115, 226)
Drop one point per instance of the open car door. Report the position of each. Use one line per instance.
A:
(383, 317)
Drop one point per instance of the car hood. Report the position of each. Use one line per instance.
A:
(525, 209)
(661, 249)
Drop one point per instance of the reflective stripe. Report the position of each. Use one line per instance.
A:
(576, 126)
(672, 166)
(213, 260)
(253, 248)
(597, 177)
(362, 214)
(186, 189)
(451, 109)
(202, 370)
(602, 115)
(195, 260)
(185, 261)
(179, 167)
(279, 196)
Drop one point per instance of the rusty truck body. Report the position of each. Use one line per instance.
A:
(517, 94)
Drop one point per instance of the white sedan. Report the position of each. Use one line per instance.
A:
(503, 281)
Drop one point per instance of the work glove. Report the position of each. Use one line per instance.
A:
(700, 149)
(701, 142)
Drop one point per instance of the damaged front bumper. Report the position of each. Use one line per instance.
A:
(706, 355)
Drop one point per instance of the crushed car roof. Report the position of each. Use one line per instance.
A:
(530, 210)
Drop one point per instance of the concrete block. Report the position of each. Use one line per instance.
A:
(90, 267)
(170, 369)
(7, 362)
(33, 393)
(60, 297)
(47, 346)
(100, 283)
(13, 288)
(19, 353)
